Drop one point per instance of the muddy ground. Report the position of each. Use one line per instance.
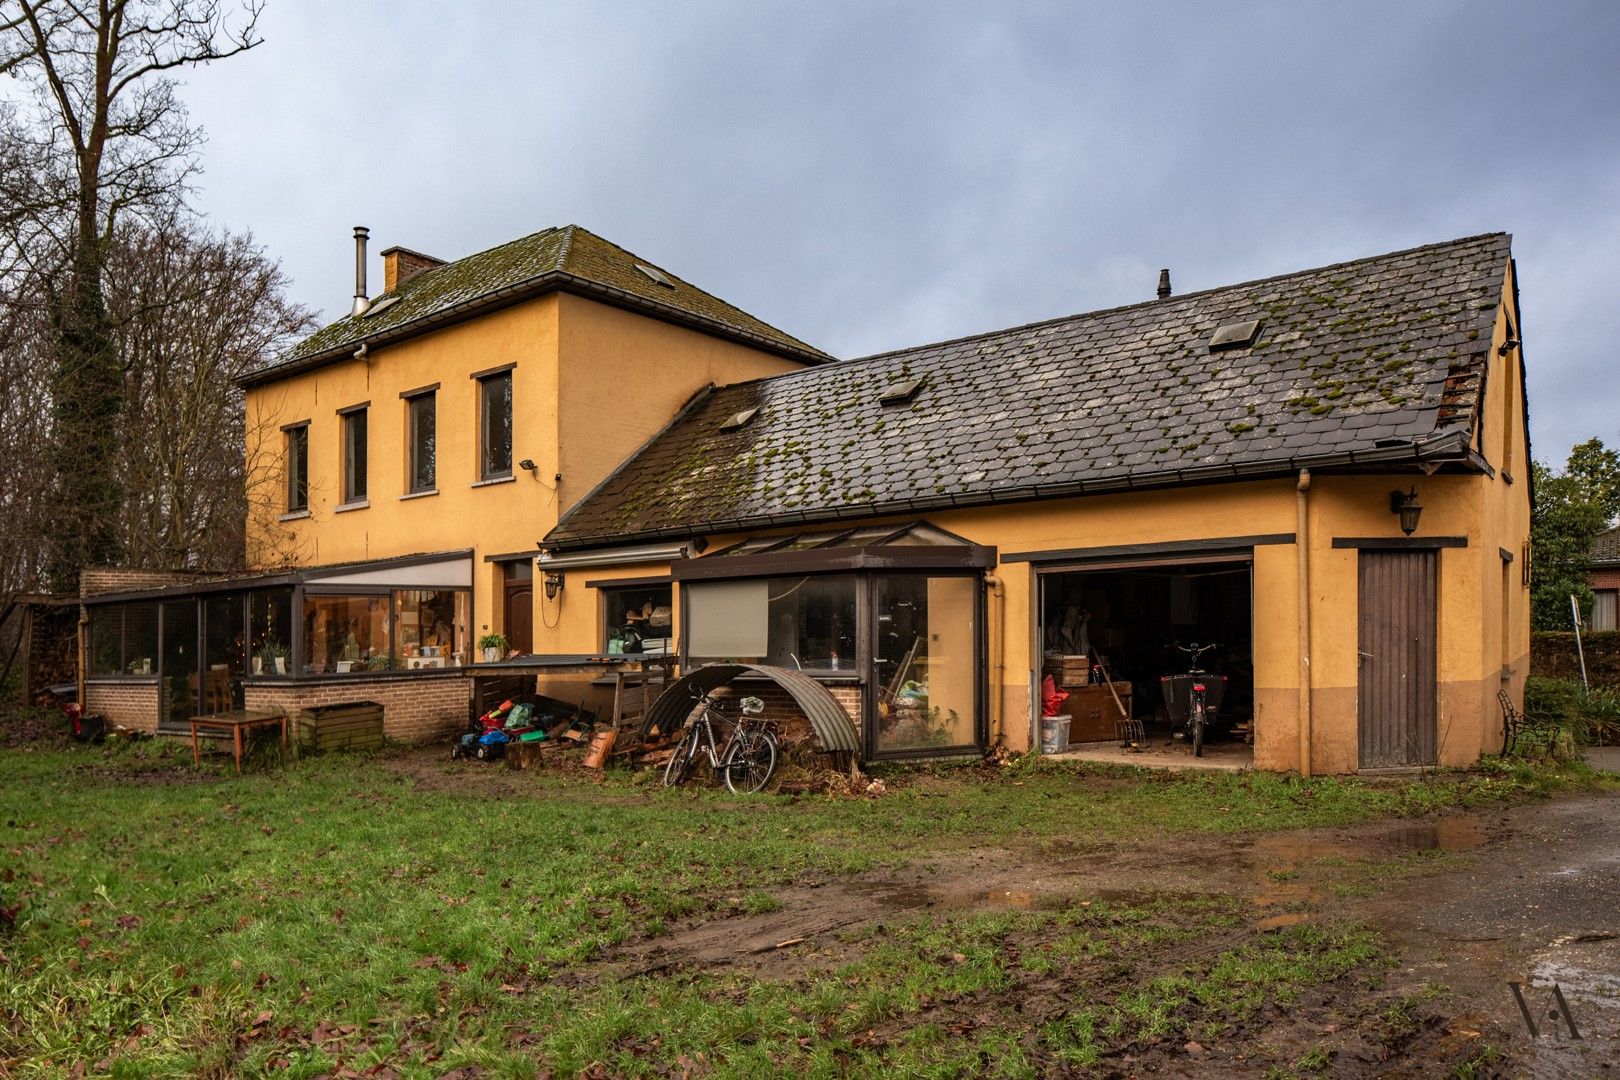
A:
(1466, 903)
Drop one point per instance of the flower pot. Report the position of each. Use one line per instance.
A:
(281, 665)
(492, 655)
(258, 665)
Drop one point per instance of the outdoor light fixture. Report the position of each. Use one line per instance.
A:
(554, 585)
(1404, 505)
(527, 464)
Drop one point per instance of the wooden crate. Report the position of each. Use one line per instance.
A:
(356, 725)
(1068, 670)
(1093, 713)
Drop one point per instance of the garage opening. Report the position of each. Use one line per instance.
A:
(1116, 636)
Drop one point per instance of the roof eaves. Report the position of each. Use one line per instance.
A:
(1450, 447)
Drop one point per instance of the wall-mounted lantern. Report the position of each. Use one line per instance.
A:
(1404, 505)
(554, 585)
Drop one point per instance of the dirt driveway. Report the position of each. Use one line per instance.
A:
(1468, 903)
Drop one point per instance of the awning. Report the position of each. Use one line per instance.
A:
(832, 725)
(915, 545)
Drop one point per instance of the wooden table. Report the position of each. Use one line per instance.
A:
(235, 722)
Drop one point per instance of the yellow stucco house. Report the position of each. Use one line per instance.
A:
(1323, 475)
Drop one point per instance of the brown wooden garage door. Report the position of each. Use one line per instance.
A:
(1396, 698)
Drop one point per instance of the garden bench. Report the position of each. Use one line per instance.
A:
(1521, 733)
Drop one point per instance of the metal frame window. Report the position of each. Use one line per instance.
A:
(421, 433)
(356, 425)
(297, 467)
(494, 423)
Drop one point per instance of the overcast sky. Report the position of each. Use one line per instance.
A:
(871, 175)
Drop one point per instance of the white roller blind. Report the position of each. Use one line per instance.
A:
(1604, 615)
(727, 618)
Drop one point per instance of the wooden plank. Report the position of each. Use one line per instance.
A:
(1397, 699)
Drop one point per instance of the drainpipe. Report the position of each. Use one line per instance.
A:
(997, 630)
(1302, 541)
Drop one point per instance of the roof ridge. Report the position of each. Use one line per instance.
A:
(567, 246)
(692, 285)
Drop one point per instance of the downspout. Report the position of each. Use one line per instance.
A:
(79, 667)
(998, 629)
(1302, 537)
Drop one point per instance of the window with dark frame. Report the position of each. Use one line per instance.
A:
(423, 436)
(354, 455)
(495, 425)
(297, 468)
(637, 619)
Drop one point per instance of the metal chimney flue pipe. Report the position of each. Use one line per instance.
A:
(1164, 284)
(361, 300)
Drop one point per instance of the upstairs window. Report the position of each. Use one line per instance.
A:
(297, 468)
(422, 433)
(354, 455)
(495, 425)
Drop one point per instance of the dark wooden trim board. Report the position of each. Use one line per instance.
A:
(347, 409)
(294, 426)
(497, 370)
(1400, 543)
(630, 582)
(513, 556)
(1173, 547)
(1507, 556)
(406, 395)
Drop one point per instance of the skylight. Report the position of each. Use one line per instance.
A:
(656, 275)
(381, 305)
(899, 392)
(1235, 335)
(739, 419)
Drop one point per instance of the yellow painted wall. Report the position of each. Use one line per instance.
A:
(591, 384)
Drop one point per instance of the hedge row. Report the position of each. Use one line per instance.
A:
(1553, 656)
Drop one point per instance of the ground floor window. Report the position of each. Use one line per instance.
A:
(637, 619)
(123, 639)
(345, 633)
(926, 660)
(913, 642)
(1606, 610)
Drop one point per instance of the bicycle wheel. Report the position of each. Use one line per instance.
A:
(679, 766)
(1198, 724)
(750, 762)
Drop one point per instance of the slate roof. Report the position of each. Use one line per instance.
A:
(568, 257)
(1366, 363)
(1606, 548)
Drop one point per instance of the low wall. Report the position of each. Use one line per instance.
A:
(1553, 656)
(416, 708)
(127, 704)
(792, 726)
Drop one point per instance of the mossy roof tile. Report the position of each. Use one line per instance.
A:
(565, 257)
(1039, 407)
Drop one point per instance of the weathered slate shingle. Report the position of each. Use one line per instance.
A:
(1359, 362)
(1606, 548)
(552, 258)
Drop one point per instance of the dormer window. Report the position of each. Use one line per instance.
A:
(898, 393)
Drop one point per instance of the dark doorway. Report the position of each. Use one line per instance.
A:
(1132, 618)
(178, 667)
(1396, 688)
(518, 610)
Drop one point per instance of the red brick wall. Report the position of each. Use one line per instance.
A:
(1606, 579)
(791, 723)
(127, 704)
(97, 580)
(416, 709)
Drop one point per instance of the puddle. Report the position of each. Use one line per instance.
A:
(1447, 834)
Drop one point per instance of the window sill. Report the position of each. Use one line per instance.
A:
(419, 494)
(293, 515)
(343, 507)
(507, 479)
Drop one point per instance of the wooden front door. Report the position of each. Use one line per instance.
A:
(519, 615)
(1396, 700)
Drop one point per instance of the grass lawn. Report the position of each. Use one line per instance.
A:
(340, 914)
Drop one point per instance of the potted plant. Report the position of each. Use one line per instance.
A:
(380, 662)
(272, 658)
(494, 646)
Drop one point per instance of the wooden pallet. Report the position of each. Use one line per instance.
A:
(355, 726)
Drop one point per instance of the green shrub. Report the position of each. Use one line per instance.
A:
(1590, 715)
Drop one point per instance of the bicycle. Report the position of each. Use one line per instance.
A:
(746, 760)
(1197, 691)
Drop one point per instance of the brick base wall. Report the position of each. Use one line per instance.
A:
(130, 705)
(1606, 579)
(792, 726)
(416, 709)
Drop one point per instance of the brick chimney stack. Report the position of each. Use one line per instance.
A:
(400, 264)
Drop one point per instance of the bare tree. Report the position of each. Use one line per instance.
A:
(194, 312)
(106, 139)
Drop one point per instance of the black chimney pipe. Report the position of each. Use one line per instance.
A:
(1164, 283)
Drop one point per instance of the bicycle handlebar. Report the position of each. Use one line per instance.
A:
(1195, 650)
